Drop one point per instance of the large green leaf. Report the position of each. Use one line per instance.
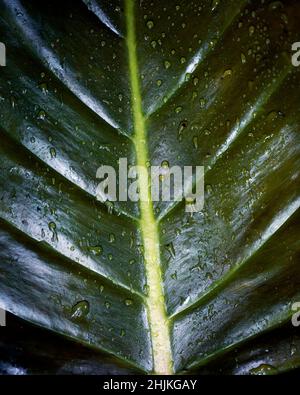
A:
(192, 83)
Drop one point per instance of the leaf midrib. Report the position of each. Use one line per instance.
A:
(158, 321)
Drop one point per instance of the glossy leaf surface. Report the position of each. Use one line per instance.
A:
(196, 83)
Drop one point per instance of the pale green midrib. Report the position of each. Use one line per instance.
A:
(158, 321)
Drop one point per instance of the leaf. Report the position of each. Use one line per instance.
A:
(21, 353)
(189, 84)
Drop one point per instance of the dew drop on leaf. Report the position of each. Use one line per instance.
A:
(202, 102)
(41, 115)
(167, 64)
(251, 30)
(195, 142)
(263, 370)
(243, 58)
(52, 227)
(165, 164)
(110, 207)
(183, 125)
(96, 250)
(150, 25)
(13, 101)
(80, 310)
(112, 238)
(174, 276)
(214, 4)
(53, 152)
(44, 87)
(227, 73)
(275, 5)
(171, 250)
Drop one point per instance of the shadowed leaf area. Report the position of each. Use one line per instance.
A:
(129, 287)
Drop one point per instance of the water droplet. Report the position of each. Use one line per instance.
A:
(202, 103)
(41, 115)
(110, 207)
(182, 126)
(190, 201)
(107, 305)
(178, 109)
(208, 276)
(208, 189)
(52, 227)
(96, 250)
(227, 73)
(44, 87)
(187, 77)
(275, 5)
(215, 4)
(13, 101)
(195, 142)
(174, 276)
(128, 302)
(243, 58)
(167, 64)
(293, 350)
(171, 250)
(263, 369)
(272, 116)
(80, 310)
(158, 82)
(150, 25)
(165, 164)
(251, 30)
(53, 152)
(177, 232)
